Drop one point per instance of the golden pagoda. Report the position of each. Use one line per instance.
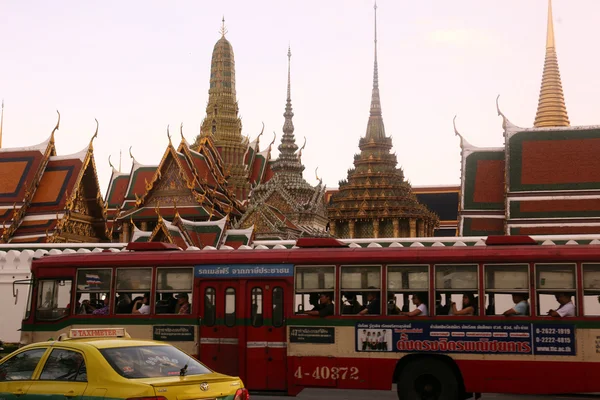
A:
(552, 110)
(222, 120)
(376, 201)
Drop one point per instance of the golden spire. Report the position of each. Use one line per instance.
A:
(1, 122)
(375, 127)
(223, 30)
(552, 110)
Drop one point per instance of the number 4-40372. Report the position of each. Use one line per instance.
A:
(328, 373)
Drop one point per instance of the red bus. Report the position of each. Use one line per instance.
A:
(246, 312)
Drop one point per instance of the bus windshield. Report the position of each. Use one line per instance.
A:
(151, 362)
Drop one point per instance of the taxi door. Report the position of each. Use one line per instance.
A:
(219, 343)
(266, 343)
(17, 372)
(64, 374)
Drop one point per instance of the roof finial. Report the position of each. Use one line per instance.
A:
(95, 133)
(552, 110)
(223, 30)
(120, 157)
(181, 131)
(1, 122)
(109, 163)
(289, 90)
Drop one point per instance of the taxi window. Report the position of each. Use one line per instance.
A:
(64, 365)
(151, 362)
(21, 366)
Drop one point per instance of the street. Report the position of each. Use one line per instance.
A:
(335, 394)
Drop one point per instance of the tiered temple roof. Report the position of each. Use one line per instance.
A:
(45, 198)
(243, 161)
(286, 206)
(544, 180)
(376, 200)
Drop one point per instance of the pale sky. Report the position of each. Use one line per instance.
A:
(138, 65)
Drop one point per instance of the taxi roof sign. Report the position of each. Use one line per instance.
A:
(98, 333)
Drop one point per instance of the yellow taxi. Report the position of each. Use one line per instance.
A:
(107, 364)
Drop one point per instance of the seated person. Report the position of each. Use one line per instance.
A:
(439, 308)
(353, 307)
(104, 310)
(521, 307)
(142, 306)
(418, 300)
(469, 305)
(392, 308)
(373, 306)
(566, 308)
(326, 308)
(183, 303)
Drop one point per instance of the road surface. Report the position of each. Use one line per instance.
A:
(335, 394)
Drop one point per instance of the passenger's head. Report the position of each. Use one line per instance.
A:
(372, 296)
(418, 299)
(519, 297)
(326, 298)
(563, 298)
(146, 299)
(182, 298)
(468, 300)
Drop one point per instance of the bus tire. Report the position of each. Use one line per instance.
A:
(427, 379)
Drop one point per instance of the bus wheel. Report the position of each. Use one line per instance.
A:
(427, 379)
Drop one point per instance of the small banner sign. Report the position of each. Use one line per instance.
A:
(173, 333)
(243, 270)
(312, 335)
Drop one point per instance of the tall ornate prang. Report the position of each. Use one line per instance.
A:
(552, 110)
(286, 206)
(222, 120)
(375, 200)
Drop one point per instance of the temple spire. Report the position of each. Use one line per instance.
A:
(288, 162)
(375, 128)
(223, 30)
(552, 110)
(1, 122)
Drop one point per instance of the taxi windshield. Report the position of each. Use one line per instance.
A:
(151, 361)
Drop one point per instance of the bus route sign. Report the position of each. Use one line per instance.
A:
(472, 338)
(243, 270)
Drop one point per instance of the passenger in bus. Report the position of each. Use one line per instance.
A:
(469, 305)
(373, 306)
(392, 308)
(142, 306)
(418, 300)
(351, 305)
(123, 303)
(183, 304)
(326, 306)
(566, 308)
(104, 309)
(521, 307)
(439, 308)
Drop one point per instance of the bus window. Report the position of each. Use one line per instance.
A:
(554, 283)
(230, 307)
(507, 287)
(256, 303)
(277, 307)
(452, 284)
(93, 287)
(133, 284)
(591, 289)
(310, 282)
(54, 298)
(174, 290)
(361, 287)
(402, 281)
(210, 309)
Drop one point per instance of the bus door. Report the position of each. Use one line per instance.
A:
(266, 346)
(219, 344)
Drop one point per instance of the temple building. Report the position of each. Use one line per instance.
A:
(244, 163)
(286, 206)
(46, 198)
(376, 201)
(544, 180)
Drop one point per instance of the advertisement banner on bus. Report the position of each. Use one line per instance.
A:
(473, 338)
(243, 270)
